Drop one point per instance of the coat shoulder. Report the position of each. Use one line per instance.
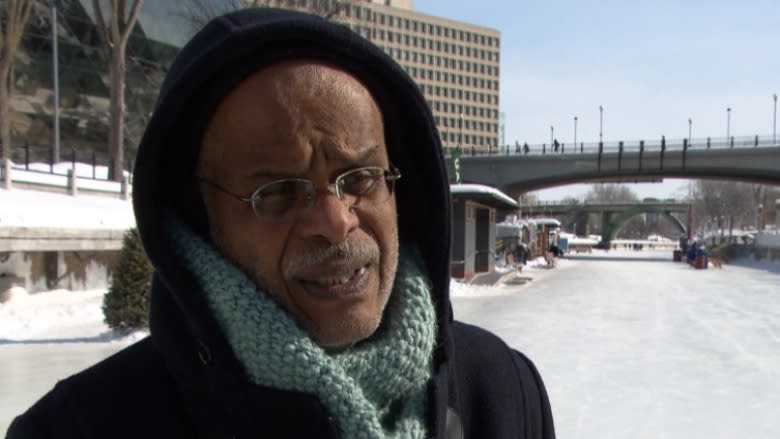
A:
(109, 396)
(496, 388)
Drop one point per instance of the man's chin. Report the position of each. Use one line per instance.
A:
(340, 337)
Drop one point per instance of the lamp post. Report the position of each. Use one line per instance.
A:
(460, 131)
(56, 81)
(690, 123)
(601, 123)
(552, 134)
(777, 214)
(728, 125)
(575, 132)
(774, 121)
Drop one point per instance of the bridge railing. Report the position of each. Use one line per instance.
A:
(661, 144)
(583, 202)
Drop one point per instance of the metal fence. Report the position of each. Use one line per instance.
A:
(662, 144)
(37, 158)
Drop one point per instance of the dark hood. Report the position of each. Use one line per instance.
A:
(223, 53)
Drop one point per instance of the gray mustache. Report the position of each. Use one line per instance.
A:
(355, 249)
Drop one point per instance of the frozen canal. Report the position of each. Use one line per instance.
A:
(648, 349)
(638, 348)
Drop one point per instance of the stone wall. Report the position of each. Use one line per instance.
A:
(49, 270)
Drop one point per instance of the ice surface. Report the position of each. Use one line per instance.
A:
(643, 348)
(630, 344)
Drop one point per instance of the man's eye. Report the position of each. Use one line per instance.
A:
(359, 183)
(278, 197)
(279, 188)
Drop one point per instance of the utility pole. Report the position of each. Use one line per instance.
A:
(460, 125)
(601, 123)
(690, 123)
(774, 122)
(56, 83)
(575, 132)
(728, 125)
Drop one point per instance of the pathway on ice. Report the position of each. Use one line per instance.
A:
(647, 349)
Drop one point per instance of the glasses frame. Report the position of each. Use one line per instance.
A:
(390, 176)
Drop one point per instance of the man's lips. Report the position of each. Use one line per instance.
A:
(345, 284)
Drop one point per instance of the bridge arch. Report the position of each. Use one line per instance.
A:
(622, 218)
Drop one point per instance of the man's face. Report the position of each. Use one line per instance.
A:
(331, 266)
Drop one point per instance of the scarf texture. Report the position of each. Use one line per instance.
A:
(376, 389)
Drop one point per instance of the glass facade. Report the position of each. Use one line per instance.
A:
(455, 64)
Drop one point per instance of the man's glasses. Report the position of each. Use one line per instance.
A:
(283, 200)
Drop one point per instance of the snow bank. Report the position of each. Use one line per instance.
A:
(57, 316)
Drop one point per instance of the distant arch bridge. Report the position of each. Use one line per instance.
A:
(613, 215)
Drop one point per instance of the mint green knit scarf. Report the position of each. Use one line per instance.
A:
(375, 390)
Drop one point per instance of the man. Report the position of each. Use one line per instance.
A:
(291, 193)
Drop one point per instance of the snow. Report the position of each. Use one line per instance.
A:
(75, 316)
(682, 354)
(27, 208)
(82, 169)
(629, 343)
(88, 177)
(48, 336)
(661, 360)
(470, 188)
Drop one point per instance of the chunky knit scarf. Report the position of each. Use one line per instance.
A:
(377, 389)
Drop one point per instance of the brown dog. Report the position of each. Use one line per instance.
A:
(717, 261)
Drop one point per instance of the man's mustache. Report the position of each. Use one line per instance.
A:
(351, 249)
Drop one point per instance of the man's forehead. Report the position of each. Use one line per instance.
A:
(269, 111)
(305, 77)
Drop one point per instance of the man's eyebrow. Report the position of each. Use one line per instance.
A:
(368, 153)
(270, 175)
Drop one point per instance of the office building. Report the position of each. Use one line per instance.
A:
(455, 64)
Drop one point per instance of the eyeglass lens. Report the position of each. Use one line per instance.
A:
(358, 187)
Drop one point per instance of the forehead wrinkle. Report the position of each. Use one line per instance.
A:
(315, 92)
(303, 96)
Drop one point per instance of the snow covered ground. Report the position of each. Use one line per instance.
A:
(630, 344)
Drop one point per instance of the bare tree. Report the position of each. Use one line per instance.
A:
(725, 204)
(114, 34)
(611, 193)
(616, 193)
(12, 21)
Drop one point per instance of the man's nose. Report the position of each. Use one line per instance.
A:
(329, 217)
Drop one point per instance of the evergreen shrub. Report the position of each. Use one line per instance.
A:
(126, 304)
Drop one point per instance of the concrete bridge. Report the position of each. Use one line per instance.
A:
(613, 215)
(750, 159)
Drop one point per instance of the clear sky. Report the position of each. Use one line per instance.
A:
(651, 65)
